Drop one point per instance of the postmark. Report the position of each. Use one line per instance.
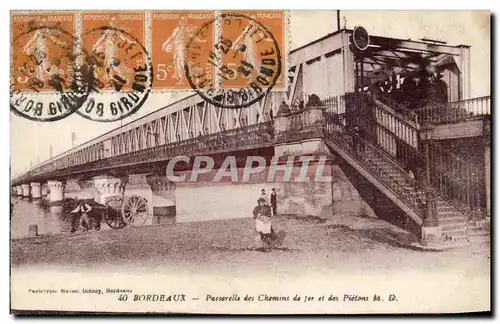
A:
(249, 77)
(47, 79)
(122, 70)
(170, 32)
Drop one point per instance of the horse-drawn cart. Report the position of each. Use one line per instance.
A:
(118, 211)
(126, 210)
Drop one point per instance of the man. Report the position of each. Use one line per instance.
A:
(274, 206)
(81, 214)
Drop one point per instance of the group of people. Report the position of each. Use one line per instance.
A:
(262, 214)
(417, 88)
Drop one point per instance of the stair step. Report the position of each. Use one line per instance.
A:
(445, 209)
(455, 232)
(450, 213)
(454, 226)
(452, 221)
(457, 243)
(477, 232)
(480, 240)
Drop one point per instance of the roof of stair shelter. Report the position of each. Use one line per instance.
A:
(387, 55)
(403, 56)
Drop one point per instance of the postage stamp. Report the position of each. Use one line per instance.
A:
(247, 59)
(121, 64)
(170, 33)
(47, 83)
(251, 33)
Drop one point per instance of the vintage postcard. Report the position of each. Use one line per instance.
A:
(250, 162)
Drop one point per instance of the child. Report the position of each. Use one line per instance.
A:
(263, 195)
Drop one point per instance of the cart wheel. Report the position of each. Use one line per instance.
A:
(135, 210)
(112, 214)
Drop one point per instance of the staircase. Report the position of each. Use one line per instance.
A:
(386, 169)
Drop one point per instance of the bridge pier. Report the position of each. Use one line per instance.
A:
(36, 192)
(56, 192)
(26, 191)
(81, 189)
(19, 191)
(108, 187)
(44, 190)
(164, 209)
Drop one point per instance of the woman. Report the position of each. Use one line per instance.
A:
(262, 217)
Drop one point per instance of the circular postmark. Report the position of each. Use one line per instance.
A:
(122, 74)
(246, 59)
(47, 79)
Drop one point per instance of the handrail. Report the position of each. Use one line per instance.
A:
(455, 111)
(400, 110)
(366, 153)
(228, 139)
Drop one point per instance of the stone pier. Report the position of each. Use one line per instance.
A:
(36, 192)
(26, 191)
(19, 191)
(44, 190)
(56, 192)
(163, 189)
(108, 187)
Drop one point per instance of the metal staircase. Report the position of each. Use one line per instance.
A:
(384, 146)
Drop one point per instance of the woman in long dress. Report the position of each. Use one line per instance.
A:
(263, 224)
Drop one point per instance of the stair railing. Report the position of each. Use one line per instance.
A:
(454, 111)
(458, 180)
(373, 159)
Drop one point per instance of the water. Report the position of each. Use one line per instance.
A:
(49, 220)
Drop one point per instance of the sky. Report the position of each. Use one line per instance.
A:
(30, 140)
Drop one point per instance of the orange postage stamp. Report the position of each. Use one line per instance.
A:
(104, 35)
(120, 62)
(45, 60)
(170, 33)
(254, 34)
(39, 42)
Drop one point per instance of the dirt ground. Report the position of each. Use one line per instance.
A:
(344, 244)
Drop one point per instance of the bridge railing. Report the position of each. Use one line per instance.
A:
(455, 111)
(256, 135)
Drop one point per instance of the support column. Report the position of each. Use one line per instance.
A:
(108, 187)
(19, 191)
(431, 231)
(36, 190)
(56, 192)
(163, 199)
(306, 138)
(26, 190)
(45, 190)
